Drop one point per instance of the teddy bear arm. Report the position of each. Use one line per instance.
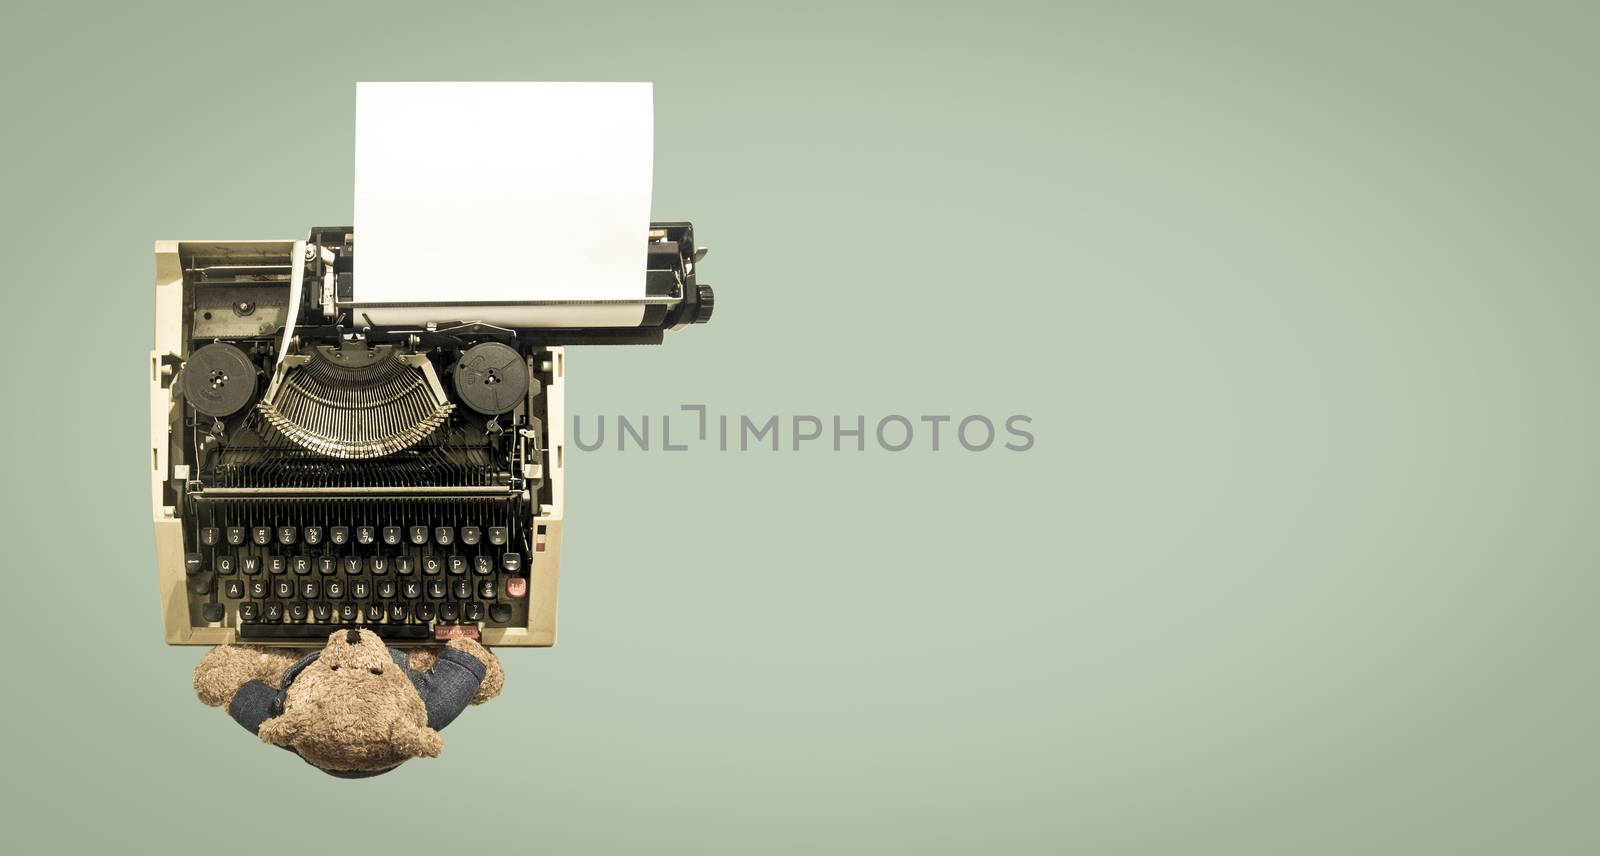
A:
(226, 668)
(494, 677)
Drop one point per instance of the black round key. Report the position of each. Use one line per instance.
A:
(262, 535)
(512, 562)
(212, 612)
(297, 611)
(310, 589)
(204, 585)
(322, 610)
(436, 589)
(458, 564)
(235, 536)
(283, 589)
(397, 612)
(233, 589)
(366, 534)
(209, 536)
(391, 535)
(347, 612)
(386, 589)
(287, 535)
(424, 612)
(374, 613)
(431, 564)
(193, 563)
(301, 565)
(500, 613)
(339, 535)
(482, 565)
(448, 612)
(419, 535)
(443, 535)
(472, 611)
(470, 535)
(272, 612)
(462, 589)
(249, 611)
(335, 589)
(313, 535)
(327, 565)
(497, 535)
(486, 589)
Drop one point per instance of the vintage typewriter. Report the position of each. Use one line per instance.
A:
(315, 471)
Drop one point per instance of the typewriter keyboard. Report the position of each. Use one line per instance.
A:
(418, 576)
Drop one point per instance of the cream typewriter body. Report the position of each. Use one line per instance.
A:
(312, 471)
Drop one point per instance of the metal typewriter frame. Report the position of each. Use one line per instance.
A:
(171, 346)
(322, 269)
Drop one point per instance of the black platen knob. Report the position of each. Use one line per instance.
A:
(708, 302)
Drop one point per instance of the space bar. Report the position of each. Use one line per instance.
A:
(320, 632)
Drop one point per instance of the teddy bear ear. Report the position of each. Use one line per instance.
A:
(419, 741)
(280, 730)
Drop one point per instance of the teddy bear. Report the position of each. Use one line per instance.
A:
(355, 707)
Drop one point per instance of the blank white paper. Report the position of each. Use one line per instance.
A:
(492, 196)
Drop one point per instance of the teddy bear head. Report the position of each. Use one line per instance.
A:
(353, 709)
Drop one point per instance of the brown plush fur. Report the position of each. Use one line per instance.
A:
(352, 709)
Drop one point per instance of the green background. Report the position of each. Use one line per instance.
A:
(1300, 297)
